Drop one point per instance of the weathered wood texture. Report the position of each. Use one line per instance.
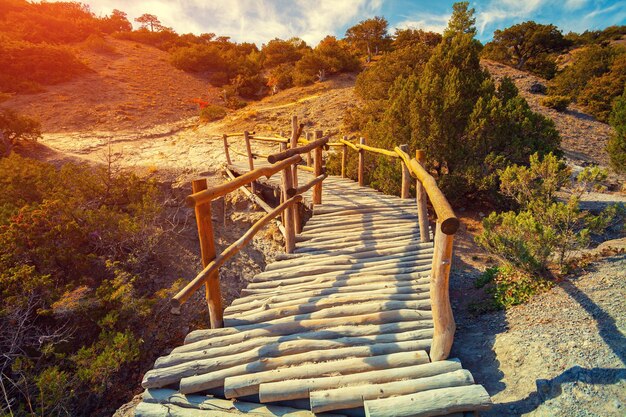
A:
(345, 321)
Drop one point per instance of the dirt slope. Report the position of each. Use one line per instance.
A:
(133, 87)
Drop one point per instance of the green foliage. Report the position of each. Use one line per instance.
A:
(15, 128)
(507, 287)
(403, 38)
(280, 77)
(329, 57)
(616, 146)
(212, 112)
(594, 80)
(24, 65)
(369, 37)
(558, 103)
(441, 100)
(588, 63)
(598, 96)
(597, 37)
(545, 229)
(529, 46)
(278, 51)
(78, 246)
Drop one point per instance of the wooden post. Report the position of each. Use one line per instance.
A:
(406, 176)
(361, 163)
(309, 157)
(207, 250)
(344, 158)
(226, 151)
(246, 136)
(294, 176)
(289, 217)
(443, 319)
(317, 161)
(420, 196)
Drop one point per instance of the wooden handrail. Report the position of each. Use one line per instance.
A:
(349, 144)
(298, 150)
(269, 139)
(445, 215)
(377, 150)
(209, 271)
(228, 135)
(304, 188)
(222, 189)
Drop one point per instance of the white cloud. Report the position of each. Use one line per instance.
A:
(250, 20)
(498, 10)
(425, 21)
(575, 4)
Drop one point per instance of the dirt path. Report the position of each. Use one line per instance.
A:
(562, 354)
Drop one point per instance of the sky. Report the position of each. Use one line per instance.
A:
(261, 20)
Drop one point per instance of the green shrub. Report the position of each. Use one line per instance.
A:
(25, 63)
(14, 129)
(544, 230)
(98, 44)
(212, 112)
(507, 287)
(598, 96)
(78, 246)
(558, 103)
(616, 146)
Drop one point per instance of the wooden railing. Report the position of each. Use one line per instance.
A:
(287, 162)
(202, 197)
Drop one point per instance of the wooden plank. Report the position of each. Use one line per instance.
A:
(249, 384)
(297, 343)
(309, 325)
(288, 390)
(352, 397)
(211, 372)
(169, 397)
(431, 403)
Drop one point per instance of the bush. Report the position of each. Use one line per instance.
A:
(78, 246)
(25, 63)
(14, 129)
(99, 44)
(544, 229)
(558, 103)
(507, 287)
(616, 146)
(212, 112)
(599, 94)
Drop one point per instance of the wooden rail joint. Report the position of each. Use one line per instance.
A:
(298, 150)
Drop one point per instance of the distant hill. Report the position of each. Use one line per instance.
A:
(130, 86)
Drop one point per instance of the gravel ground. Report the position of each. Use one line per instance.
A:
(562, 354)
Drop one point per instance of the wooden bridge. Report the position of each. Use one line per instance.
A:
(353, 320)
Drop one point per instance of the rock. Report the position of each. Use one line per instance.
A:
(537, 88)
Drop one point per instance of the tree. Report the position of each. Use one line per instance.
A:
(368, 35)
(15, 128)
(279, 51)
(617, 143)
(403, 38)
(461, 21)
(150, 21)
(451, 108)
(529, 45)
(117, 22)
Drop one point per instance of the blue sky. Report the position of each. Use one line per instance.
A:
(262, 20)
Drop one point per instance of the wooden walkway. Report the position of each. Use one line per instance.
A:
(343, 325)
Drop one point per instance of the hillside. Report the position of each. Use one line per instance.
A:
(132, 86)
